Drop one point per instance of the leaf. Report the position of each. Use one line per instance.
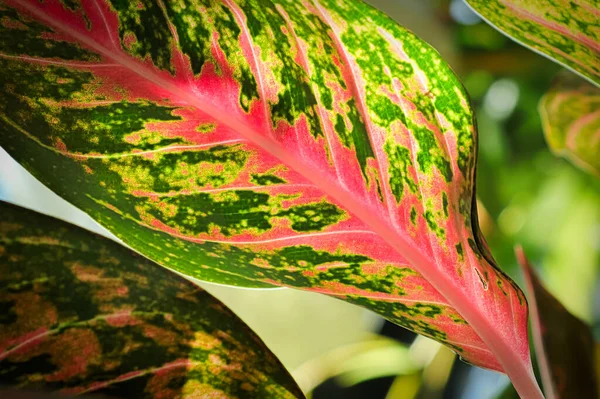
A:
(82, 314)
(570, 113)
(564, 344)
(507, 393)
(374, 357)
(19, 394)
(567, 32)
(315, 145)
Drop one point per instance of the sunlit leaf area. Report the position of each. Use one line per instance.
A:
(526, 195)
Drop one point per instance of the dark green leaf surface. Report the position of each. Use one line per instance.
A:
(81, 314)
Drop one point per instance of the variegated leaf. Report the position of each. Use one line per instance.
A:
(566, 31)
(564, 344)
(82, 314)
(21, 394)
(570, 113)
(308, 144)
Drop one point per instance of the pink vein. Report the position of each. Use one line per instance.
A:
(46, 333)
(175, 148)
(109, 31)
(413, 149)
(382, 297)
(576, 127)
(257, 242)
(322, 117)
(173, 31)
(54, 62)
(139, 373)
(589, 7)
(360, 104)
(255, 59)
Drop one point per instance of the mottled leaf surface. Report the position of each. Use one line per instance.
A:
(82, 314)
(566, 31)
(308, 144)
(564, 344)
(570, 113)
(22, 394)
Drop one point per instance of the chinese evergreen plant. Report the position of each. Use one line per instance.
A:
(315, 145)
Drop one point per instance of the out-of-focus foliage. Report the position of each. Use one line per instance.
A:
(421, 368)
(370, 358)
(570, 113)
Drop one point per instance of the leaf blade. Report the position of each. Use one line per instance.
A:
(84, 315)
(372, 169)
(565, 374)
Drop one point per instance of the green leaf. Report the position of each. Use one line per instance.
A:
(564, 344)
(315, 145)
(374, 357)
(82, 314)
(570, 113)
(507, 393)
(565, 31)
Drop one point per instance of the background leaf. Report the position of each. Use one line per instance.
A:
(564, 344)
(374, 357)
(82, 314)
(570, 113)
(565, 31)
(259, 143)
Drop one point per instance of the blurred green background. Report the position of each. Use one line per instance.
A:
(527, 196)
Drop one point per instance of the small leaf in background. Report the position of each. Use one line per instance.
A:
(565, 31)
(374, 357)
(81, 314)
(313, 145)
(508, 393)
(564, 344)
(570, 113)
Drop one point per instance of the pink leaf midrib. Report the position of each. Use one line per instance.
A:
(517, 369)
